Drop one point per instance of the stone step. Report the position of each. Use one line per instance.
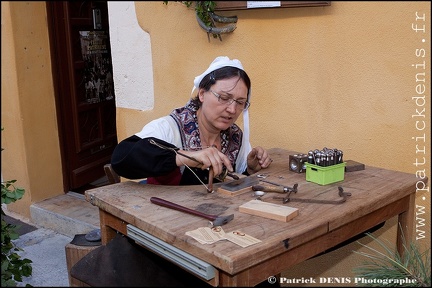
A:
(68, 214)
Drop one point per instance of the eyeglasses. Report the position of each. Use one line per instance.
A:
(228, 101)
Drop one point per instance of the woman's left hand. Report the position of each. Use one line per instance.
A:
(258, 159)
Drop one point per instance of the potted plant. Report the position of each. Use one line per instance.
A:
(209, 21)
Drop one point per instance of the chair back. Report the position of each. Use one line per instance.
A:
(112, 176)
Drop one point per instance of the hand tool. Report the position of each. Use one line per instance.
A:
(341, 194)
(209, 187)
(216, 220)
(277, 189)
(237, 187)
(325, 157)
(221, 177)
(210, 181)
(264, 176)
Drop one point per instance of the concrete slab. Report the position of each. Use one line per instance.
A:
(67, 214)
(46, 248)
(54, 223)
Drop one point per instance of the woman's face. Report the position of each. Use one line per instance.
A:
(222, 115)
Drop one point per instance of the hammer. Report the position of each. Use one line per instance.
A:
(216, 220)
(276, 189)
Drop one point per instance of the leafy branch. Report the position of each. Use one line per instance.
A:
(13, 268)
(208, 20)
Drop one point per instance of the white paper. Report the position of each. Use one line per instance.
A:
(263, 4)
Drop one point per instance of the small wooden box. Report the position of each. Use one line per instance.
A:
(74, 253)
(269, 210)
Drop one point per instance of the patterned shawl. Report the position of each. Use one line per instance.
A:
(187, 122)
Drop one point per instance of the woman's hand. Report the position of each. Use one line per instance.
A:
(258, 159)
(205, 158)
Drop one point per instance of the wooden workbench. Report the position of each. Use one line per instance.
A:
(376, 195)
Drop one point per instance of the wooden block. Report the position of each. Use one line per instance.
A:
(269, 210)
(351, 166)
(74, 253)
(238, 186)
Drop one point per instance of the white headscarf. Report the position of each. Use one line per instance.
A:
(224, 61)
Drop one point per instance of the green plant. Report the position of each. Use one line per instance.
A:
(208, 20)
(390, 269)
(13, 268)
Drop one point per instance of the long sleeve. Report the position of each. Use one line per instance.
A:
(128, 161)
(136, 158)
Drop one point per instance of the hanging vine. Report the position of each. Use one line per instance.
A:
(209, 21)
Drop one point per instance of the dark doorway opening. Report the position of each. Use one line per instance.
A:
(84, 90)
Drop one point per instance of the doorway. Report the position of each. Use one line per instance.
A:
(84, 90)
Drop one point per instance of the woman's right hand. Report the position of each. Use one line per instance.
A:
(205, 158)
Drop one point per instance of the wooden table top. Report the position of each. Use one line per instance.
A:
(370, 190)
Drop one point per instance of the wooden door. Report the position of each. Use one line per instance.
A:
(84, 89)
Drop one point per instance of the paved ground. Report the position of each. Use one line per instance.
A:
(46, 249)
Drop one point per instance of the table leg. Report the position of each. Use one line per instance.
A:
(405, 225)
(110, 225)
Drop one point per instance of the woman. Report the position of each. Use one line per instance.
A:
(181, 148)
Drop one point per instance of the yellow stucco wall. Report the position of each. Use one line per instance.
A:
(30, 136)
(337, 76)
(340, 76)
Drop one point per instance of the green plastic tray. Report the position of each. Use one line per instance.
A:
(325, 175)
